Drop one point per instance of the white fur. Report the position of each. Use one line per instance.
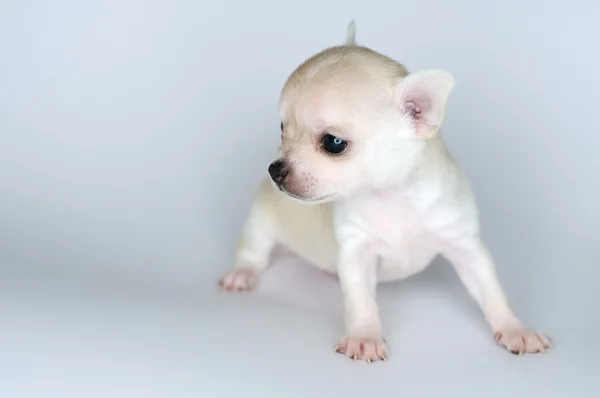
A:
(385, 208)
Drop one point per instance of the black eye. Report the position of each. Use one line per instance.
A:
(334, 144)
(281, 127)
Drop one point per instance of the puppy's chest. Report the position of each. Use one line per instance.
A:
(392, 219)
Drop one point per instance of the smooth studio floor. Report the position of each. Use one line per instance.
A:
(85, 337)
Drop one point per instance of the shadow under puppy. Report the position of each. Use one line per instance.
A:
(363, 186)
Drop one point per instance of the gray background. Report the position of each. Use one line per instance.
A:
(133, 134)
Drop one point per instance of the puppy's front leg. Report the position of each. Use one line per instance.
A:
(476, 269)
(253, 251)
(357, 271)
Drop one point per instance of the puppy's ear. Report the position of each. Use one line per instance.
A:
(422, 97)
(351, 34)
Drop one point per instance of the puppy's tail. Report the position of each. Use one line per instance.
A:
(351, 34)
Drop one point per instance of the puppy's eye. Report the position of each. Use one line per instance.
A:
(334, 144)
(281, 126)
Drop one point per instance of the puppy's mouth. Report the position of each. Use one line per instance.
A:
(319, 199)
(315, 200)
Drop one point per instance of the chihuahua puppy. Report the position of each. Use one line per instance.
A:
(363, 186)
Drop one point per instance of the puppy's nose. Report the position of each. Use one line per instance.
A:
(278, 171)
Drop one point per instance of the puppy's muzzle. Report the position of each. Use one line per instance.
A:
(278, 171)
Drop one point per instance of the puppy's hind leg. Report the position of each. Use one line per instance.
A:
(254, 249)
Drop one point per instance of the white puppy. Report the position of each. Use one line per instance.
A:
(363, 186)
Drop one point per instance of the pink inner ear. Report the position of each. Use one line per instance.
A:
(416, 108)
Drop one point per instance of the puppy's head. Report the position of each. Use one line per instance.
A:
(351, 120)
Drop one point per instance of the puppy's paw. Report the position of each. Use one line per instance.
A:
(520, 341)
(239, 280)
(369, 350)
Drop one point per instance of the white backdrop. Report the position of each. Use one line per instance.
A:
(133, 134)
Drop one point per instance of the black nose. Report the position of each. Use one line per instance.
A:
(278, 171)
